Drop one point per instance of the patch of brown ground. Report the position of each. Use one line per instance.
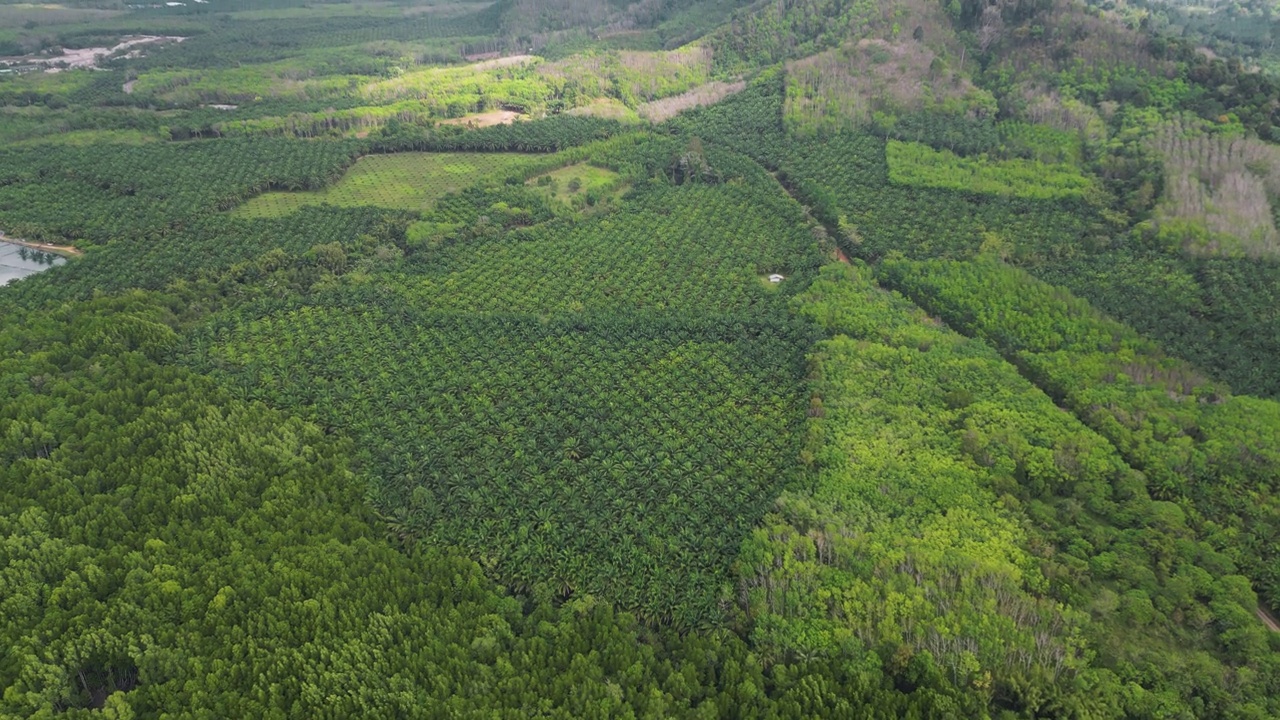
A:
(69, 250)
(487, 119)
(501, 62)
(708, 94)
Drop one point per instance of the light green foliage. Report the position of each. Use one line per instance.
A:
(953, 508)
(86, 138)
(1186, 433)
(630, 77)
(574, 183)
(607, 108)
(919, 165)
(455, 91)
(1042, 143)
(407, 181)
(40, 83)
(898, 516)
(277, 81)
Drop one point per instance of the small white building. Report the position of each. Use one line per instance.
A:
(776, 278)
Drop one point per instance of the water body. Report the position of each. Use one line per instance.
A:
(19, 261)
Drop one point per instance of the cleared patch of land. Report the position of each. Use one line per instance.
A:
(606, 108)
(575, 181)
(128, 47)
(501, 62)
(708, 94)
(842, 87)
(485, 119)
(85, 138)
(1218, 191)
(406, 181)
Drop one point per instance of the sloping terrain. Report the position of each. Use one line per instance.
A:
(818, 358)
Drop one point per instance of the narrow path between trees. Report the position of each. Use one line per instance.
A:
(1268, 620)
(840, 256)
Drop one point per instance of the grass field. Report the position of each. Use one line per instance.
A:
(561, 182)
(919, 165)
(406, 181)
(91, 137)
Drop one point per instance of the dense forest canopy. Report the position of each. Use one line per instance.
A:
(668, 358)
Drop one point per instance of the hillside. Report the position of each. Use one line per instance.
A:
(701, 358)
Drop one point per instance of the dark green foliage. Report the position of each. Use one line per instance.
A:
(604, 407)
(695, 248)
(619, 456)
(166, 549)
(555, 398)
(1219, 313)
(238, 42)
(229, 254)
(961, 134)
(749, 122)
(102, 192)
(926, 222)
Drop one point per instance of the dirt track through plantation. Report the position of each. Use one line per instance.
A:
(1267, 620)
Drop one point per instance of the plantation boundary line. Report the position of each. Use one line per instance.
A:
(833, 233)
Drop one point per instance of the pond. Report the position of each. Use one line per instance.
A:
(19, 261)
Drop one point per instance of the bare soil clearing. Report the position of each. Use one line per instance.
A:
(487, 119)
(91, 56)
(501, 62)
(709, 94)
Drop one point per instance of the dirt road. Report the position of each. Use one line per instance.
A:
(1267, 620)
